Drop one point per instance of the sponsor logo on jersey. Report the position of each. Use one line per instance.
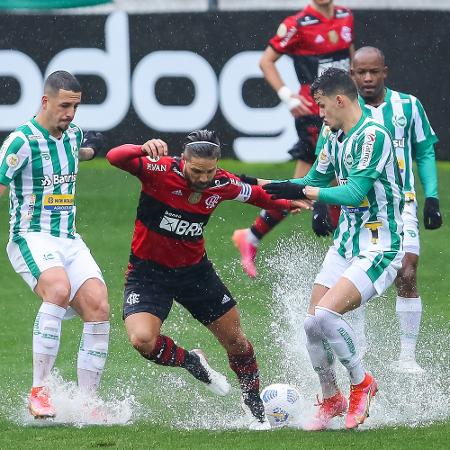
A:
(33, 137)
(308, 20)
(319, 39)
(323, 156)
(133, 299)
(399, 143)
(45, 156)
(153, 159)
(212, 201)
(282, 30)
(288, 36)
(399, 121)
(175, 224)
(156, 167)
(178, 192)
(367, 150)
(12, 160)
(346, 34)
(57, 179)
(341, 13)
(59, 202)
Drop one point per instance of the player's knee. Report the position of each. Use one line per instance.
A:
(236, 343)
(58, 293)
(143, 343)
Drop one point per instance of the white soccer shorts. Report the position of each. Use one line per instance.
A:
(371, 272)
(411, 242)
(32, 253)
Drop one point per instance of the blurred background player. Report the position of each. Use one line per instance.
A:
(367, 250)
(404, 116)
(318, 37)
(168, 260)
(39, 163)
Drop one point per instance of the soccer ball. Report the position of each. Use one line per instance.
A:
(281, 404)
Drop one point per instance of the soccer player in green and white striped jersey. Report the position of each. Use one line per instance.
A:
(367, 250)
(39, 163)
(405, 118)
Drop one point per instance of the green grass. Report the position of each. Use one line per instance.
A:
(107, 201)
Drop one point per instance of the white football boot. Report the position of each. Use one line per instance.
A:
(218, 383)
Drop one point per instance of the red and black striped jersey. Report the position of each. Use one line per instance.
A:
(171, 216)
(315, 43)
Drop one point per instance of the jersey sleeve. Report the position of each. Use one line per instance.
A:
(288, 36)
(14, 155)
(423, 135)
(127, 157)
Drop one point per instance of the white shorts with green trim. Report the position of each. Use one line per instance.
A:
(33, 253)
(411, 242)
(371, 272)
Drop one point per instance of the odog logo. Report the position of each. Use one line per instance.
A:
(175, 224)
(211, 202)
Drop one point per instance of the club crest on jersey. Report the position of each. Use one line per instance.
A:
(348, 160)
(194, 197)
(211, 202)
(399, 121)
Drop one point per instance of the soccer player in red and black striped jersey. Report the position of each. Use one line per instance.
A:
(316, 38)
(168, 259)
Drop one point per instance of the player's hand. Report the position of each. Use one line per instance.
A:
(286, 190)
(321, 223)
(432, 218)
(94, 140)
(298, 205)
(300, 106)
(155, 148)
(249, 180)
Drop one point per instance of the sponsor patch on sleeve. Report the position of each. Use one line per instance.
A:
(367, 150)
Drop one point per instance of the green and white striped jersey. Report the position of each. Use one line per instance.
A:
(405, 118)
(365, 155)
(41, 172)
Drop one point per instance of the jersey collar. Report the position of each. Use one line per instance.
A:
(309, 9)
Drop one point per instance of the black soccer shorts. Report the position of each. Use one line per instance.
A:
(151, 288)
(308, 129)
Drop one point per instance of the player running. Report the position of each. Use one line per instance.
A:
(404, 116)
(367, 250)
(39, 163)
(168, 260)
(318, 37)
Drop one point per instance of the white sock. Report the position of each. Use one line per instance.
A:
(46, 338)
(251, 238)
(409, 313)
(342, 339)
(92, 355)
(357, 320)
(321, 355)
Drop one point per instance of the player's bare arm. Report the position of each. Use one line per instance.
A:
(298, 105)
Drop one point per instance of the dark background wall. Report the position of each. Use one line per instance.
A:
(415, 44)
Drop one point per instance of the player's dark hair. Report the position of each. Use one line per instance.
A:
(202, 144)
(334, 81)
(61, 80)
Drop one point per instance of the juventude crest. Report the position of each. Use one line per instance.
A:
(399, 121)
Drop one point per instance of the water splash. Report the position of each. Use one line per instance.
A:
(402, 399)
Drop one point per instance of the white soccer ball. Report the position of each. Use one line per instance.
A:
(281, 404)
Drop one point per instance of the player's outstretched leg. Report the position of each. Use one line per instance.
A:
(46, 338)
(166, 353)
(244, 365)
(247, 240)
(343, 342)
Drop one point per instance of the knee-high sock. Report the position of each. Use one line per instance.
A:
(46, 338)
(343, 341)
(167, 353)
(321, 355)
(92, 355)
(245, 367)
(357, 320)
(409, 313)
(265, 222)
